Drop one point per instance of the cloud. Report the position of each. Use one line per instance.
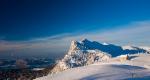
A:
(135, 33)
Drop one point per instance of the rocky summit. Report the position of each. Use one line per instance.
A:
(87, 52)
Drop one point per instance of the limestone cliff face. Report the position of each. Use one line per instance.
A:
(80, 55)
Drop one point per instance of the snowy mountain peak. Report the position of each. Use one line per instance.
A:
(81, 45)
(87, 52)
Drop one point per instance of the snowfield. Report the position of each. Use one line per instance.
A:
(136, 68)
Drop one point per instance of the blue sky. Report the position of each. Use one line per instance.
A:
(28, 26)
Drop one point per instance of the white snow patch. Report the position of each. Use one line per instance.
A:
(105, 43)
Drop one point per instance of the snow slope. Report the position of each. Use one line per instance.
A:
(137, 68)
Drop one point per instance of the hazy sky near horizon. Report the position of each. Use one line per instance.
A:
(46, 27)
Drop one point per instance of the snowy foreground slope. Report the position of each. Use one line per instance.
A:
(136, 68)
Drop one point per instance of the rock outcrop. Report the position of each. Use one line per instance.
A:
(80, 55)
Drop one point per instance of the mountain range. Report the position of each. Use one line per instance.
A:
(86, 52)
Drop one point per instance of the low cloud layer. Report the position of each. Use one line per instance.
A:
(135, 33)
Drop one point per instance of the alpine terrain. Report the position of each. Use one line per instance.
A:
(101, 61)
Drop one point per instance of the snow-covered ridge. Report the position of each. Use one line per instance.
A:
(86, 52)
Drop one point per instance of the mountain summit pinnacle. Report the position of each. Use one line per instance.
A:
(74, 45)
